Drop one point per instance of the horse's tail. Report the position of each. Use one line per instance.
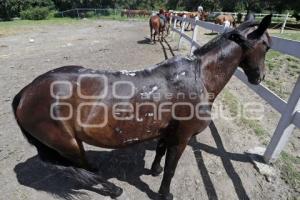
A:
(49, 155)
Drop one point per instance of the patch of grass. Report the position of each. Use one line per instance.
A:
(233, 104)
(17, 26)
(272, 59)
(287, 34)
(256, 127)
(289, 167)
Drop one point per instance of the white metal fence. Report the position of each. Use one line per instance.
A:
(290, 111)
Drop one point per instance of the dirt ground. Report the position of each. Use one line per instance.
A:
(214, 165)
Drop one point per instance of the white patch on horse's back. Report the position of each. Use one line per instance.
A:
(182, 73)
(81, 70)
(128, 73)
(149, 114)
(139, 119)
(154, 89)
(131, 140)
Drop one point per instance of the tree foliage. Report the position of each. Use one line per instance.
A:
(12, 8)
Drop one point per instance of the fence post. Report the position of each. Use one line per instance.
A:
(182, 31)
(285, 126)
(194, 36)
(77, 13)
(284, 23)
(174, 27)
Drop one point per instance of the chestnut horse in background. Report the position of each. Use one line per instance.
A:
(68, 106)
(222, 18)
(158, 26)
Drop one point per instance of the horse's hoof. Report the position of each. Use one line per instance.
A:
(116, 192)
(156, 171)
(168, 196)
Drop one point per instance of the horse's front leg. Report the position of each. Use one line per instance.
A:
(174, 152)
(161, 148)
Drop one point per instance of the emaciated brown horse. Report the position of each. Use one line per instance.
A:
(67, 106)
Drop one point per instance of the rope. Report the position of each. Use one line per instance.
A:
(296, 29)
(277, 25)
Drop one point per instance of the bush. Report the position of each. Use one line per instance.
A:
(36, 13)
(90, 14)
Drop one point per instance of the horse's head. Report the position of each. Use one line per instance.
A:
(255, 43)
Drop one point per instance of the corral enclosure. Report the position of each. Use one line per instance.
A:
(213, 166)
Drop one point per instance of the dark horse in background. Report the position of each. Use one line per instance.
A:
(58, 111)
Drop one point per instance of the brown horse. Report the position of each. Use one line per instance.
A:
(159, 26)
(172, 101)
(222, 18)
(204, 16)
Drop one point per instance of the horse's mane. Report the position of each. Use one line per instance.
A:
(212, 44)
(220, 40)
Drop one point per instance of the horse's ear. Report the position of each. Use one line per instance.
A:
(236, 37)
(262, 27)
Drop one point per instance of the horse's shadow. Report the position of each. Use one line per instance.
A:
(145, 41)
(123, 164)
(128, 165)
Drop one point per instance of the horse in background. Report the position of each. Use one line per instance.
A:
(159, 23)
(203, 16)
(223, 19)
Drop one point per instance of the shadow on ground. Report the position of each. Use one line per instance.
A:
(127, 165)
(145, 41)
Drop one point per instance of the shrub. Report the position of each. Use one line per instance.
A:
(36, 13)
(89, 14)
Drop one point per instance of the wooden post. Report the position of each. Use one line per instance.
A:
(284, 23)
(285, 126)
(181, 32)
(194, 36)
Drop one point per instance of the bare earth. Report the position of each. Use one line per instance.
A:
(213, 166)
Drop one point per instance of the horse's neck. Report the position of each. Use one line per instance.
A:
(218, 66)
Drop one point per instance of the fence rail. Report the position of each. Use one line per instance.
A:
(290, 111)
(255, 14)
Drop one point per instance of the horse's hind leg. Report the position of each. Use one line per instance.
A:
(161, 148)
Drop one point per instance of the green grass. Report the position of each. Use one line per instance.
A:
(272, 57)
(289, 167)
(287, 34)
(232, 102)
(283, 71)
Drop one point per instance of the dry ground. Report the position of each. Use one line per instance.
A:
(213, 166)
